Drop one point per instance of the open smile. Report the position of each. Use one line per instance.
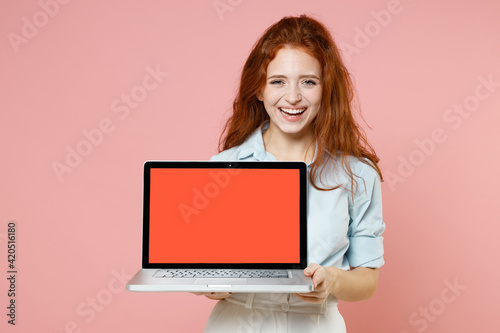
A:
(292, 112)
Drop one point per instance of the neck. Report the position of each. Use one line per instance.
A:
(289, 146)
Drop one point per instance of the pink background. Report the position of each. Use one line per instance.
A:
(75, 234)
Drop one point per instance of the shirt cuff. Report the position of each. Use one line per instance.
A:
(366, 252)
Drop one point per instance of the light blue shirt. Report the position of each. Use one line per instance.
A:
(343, 230)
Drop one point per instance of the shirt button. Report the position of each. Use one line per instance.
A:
(285, 307)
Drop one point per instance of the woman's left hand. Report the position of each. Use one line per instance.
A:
(324, 281)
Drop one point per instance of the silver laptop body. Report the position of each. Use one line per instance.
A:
(212, 226)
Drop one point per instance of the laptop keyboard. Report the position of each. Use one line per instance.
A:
(221, 273)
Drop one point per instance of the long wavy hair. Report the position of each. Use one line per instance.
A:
(335, 129)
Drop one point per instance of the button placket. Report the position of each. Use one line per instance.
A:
(285, 307)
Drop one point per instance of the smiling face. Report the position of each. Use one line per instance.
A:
(292, 93)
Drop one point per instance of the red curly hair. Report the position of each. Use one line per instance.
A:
(335, 129)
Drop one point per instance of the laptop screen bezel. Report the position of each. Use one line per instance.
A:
(301, 166)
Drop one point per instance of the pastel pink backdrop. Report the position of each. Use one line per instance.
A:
(413, 61)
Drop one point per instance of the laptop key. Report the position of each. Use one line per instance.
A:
(221, 273)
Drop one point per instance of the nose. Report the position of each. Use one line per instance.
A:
(293, 95)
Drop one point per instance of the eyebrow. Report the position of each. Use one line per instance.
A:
(279, 76)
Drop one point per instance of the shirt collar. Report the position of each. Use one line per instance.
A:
(254, 145)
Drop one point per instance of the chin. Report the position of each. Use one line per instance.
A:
(292, 128)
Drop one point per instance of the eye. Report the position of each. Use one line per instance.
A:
(276, 82)
(310, 83)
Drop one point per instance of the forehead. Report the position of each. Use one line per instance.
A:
(293, 61)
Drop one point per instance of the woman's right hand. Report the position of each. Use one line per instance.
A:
(215, 296)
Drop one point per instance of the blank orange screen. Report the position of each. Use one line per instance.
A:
(224, 216)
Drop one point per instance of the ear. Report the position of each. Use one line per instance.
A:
(259, 96)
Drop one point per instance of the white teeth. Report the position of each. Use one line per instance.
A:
(292, 111)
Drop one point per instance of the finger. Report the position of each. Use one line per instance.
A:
(309, 271)
(218, 296)
(318, 276)
(309, 294)
(212, 297)
(314, 293)
(309, 299)
(212, 294)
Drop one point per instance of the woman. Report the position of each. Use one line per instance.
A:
(294, 104)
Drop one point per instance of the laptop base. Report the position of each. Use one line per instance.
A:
(145, 281)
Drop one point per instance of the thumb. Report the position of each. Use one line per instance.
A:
(309, 271)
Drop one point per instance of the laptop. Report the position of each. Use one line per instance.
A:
(212, 226)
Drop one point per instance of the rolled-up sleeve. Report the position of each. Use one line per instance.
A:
(366, 223)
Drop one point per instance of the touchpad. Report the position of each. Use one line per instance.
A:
(223, 281)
